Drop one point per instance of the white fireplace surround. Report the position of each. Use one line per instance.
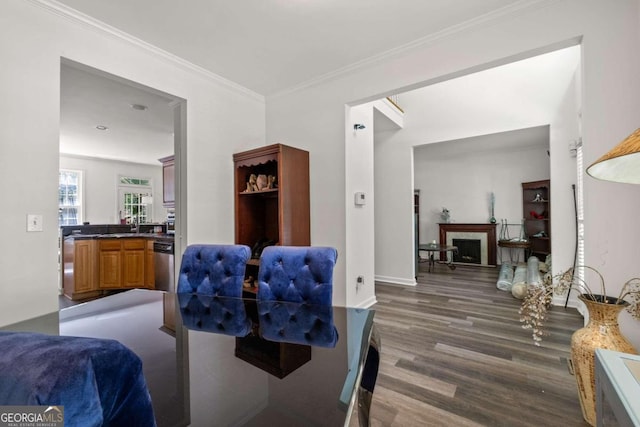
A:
(470, 235)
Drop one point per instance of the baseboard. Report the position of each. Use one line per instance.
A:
(367, 303)
(396, 280)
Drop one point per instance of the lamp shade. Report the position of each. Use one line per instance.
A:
(621, 164)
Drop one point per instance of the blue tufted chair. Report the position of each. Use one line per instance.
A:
(301, 274)
(297, 323)
(213, 270)
(219, 315)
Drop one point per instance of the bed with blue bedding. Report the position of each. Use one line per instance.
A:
(99, 382)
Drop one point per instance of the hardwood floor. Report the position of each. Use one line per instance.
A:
(454, 354)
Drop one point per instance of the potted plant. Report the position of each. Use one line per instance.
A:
(601, 331)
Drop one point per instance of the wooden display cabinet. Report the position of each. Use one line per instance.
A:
(536, 210)
(277, 215)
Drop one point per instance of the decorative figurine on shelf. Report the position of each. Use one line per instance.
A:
(445, 215)
(271, 182)
(251, 185)
(538, 198)
(261, 182)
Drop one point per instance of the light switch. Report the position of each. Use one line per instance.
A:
(34, 222)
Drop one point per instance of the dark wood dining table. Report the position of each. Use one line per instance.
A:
(236, 361)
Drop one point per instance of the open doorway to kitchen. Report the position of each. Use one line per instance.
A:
(116, 134)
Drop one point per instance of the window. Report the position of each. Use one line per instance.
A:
(135, 201)
(70, 197)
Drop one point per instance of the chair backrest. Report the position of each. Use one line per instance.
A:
(297, 273)
(213, 269)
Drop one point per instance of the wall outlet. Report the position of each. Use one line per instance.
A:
(34, 222)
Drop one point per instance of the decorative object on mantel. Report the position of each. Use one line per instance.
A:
(492, 204)
(602, 331)
(445, 215)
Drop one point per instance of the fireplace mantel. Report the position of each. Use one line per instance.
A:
(488, 229)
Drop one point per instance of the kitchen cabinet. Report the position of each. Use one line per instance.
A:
(536, 208)
(95, 265)
(80, 273)
(110, 264)
(133, 263)
(168, 181)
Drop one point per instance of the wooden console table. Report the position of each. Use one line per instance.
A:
(512, 245)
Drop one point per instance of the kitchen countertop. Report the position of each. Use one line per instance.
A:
(152, 236)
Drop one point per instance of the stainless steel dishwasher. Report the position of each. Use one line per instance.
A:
(164, 266)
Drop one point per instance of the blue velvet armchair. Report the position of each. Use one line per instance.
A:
(216, 270)
(302, 274)
(98, 381)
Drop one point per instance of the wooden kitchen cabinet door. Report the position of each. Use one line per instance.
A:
(110, 261)
(133, 260)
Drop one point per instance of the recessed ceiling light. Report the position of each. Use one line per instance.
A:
(139, 107)
(102, 127)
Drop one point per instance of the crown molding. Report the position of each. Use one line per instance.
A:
(102, 28)
(519, 8)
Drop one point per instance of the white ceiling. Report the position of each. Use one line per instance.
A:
(266, 46)
(89, 99)
(272, 45)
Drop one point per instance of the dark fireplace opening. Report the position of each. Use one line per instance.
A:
(469, 251)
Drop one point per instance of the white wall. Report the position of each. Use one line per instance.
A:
(360, 251)
(611, 99)
(523, 94)
(100, 178)
(460, 175)
(222, 118)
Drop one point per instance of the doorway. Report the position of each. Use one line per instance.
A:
(553, 106)
(111, 128)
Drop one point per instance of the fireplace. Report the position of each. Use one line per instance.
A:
(485, 234)
(469, 251)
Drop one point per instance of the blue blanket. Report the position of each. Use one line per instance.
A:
(99, 382)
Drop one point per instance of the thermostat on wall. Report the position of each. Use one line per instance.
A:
(359, 199)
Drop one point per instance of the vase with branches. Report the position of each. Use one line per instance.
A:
(533, 311)
(601, 331)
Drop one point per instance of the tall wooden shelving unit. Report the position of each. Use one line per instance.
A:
(536, 210)
(281, 214)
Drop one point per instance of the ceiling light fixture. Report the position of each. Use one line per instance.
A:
(102, 127)
(139, 107)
